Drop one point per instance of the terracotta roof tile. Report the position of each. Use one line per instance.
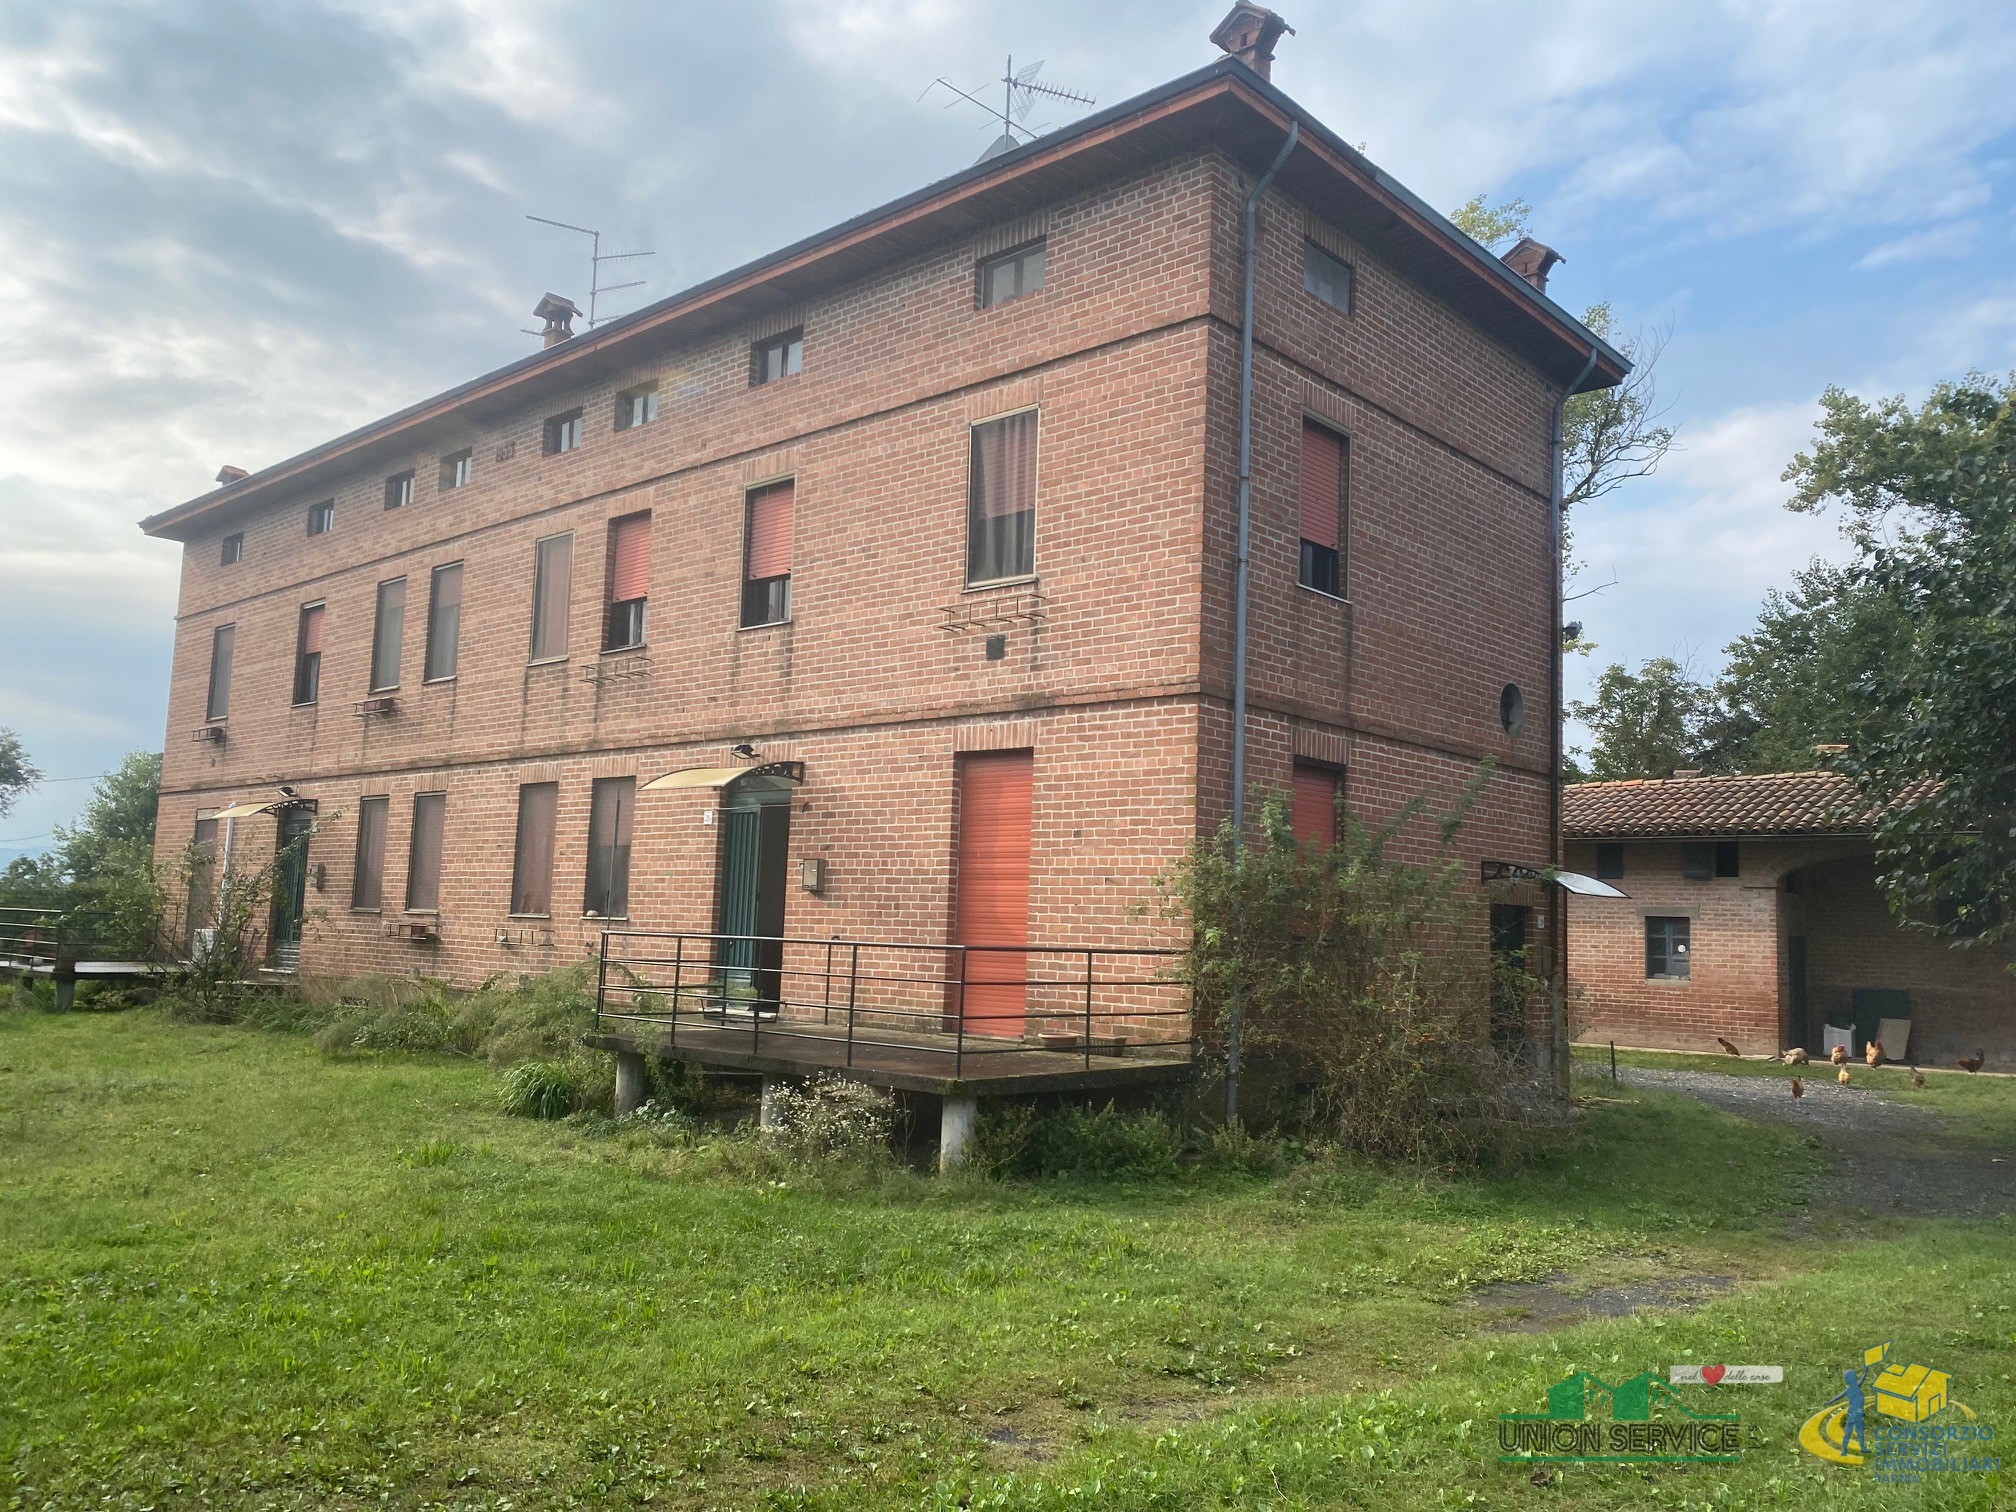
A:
(1771, 803)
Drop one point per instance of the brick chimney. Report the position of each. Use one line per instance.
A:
(1249, 34)
(1829, 752)
(559, 316)
(229, 474)
(1532, 261)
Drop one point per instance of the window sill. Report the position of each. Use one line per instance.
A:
(767, 624)
(380, 692)
(1670, 981)
(313, 703)
(548, 661)
(427, 913)
(988, 585)
(532, 918)
(1335, 598)
(626, 650)
(595, 918)
(367, 913)
(438, 682)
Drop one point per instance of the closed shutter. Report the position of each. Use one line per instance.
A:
(311, 630)
(532, 870)
(630, 559)
(552, 596)
(1322, 485)
(1313, 811)
(423, 861)
(770, 511)
(993, 887)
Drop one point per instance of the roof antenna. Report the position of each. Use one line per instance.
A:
(1019, 93)
(596, 257)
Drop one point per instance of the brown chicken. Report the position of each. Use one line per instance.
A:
(1874, 1054)
(1795, 1056)
(1972, 1063)
(1917, 1077)
(1798, 1087)
(1727, 1048)
(1842, 1076)
(1839, 1055)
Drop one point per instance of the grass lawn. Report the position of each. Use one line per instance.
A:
(236, 1274)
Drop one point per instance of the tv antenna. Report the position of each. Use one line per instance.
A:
(1019, 93)
(596, 257)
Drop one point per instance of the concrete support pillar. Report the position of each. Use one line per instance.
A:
(629, 1081)
(66, 993)
(766, 1113)
(955, 1131)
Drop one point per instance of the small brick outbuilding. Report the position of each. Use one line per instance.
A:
(1752, 914)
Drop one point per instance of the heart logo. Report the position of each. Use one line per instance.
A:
(1713, 1374)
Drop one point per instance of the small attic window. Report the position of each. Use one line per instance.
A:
(1328, 277)
(233, 550)
(322, 517)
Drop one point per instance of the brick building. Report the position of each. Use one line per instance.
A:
(1752, 913)
(909, 549)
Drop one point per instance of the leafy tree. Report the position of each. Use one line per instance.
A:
(1647, 723)
(118, 822)
(17, 773)
(1930, 496)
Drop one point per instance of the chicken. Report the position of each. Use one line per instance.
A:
(1842, 1076)
(1917, 1077)
(1874, 1054)
(1839, 1055)
(1727, 1048)
(1972, 1063)
(1796, 1056)
(1798, 1088)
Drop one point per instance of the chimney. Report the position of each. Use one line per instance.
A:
(1686, 771)
(1249, 34)
(559, 316)
(1532, 261)
(229, 474)
(1829, 753)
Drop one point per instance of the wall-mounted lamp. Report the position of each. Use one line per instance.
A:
(319, 875)
(812, 873)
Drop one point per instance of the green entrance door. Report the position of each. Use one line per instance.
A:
(290, 886)
(755, 850)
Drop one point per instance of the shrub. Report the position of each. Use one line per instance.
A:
(539, 1089)
(830, 1119)
(1022, 1140)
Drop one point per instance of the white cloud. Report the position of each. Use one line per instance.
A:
(1954, 239)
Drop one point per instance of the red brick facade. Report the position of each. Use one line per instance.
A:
(1116, 671)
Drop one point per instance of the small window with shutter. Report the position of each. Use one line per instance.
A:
(629, 582)
(223, 641)
(308, 655)
(456, 470)
(322, 517)
(388, 635)
(766, 573)
(423, 857)
(778, 357)
(563, 433)
(1313, 803)
(552, 596)
(399, 490)
(233, 550)
(532, 862)
(1001, 500)
(1325, 458)
(367, 883)
(637, 406)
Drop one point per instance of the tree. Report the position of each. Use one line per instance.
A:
(1930, 496)
(1647, 723)
(118, 822)
(17, 773)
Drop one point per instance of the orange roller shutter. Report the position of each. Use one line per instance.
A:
(1313, 811)
(993, 887)
(311, 630)
(770, 531)
(630, 559)
(1322, 485)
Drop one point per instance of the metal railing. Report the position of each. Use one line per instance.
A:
(844, 1002)
(54, 937)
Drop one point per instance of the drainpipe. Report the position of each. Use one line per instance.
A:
(1557, 924)
(1235, 1012)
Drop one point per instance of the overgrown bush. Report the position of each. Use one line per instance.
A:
(830, 1120)
(1363, 986)
(539, 1089)
(1023, 1140)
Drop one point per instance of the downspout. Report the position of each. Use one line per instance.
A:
(1235, 1011)
(1557, 923)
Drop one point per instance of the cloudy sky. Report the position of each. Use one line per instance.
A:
(231, 230)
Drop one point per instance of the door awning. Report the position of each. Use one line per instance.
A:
(1567, 881)
(251, 806)
(724, 777)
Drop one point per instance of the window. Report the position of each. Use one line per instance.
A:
(444, 622)
(1727, 859)
(766, 560)
(222, 641)
(1325, 459)
(637, 406)
(609, 812)
(563, 433)
(456, 469)
(532, 863)
(552, 596)
(1609, 862)
(233, 550)
(424, 855)
(629, 579)
(1009, 276)
(1328, 277)
(1001, 500)
(322, 517)
(399, 490)
(1666, 948)
(367, 883)
(1313, 803)
(1697, 860)
(388, 635)
(778, 357)
(202, 882)
(308, 655)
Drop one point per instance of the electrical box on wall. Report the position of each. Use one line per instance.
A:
(812, 874)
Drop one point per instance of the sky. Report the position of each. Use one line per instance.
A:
(229, 231)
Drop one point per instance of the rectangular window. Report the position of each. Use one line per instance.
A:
(609, 813)
(563, 433)
(399, 490)
(322, 517)
(552, 596)
(779, 357)
(308, 655)
(456, 469)
(1609, 862)
(388, 635)
(1329, 278)
(1666, 942)
(423, 856)
(766, 560)
(1727, 859)
(1009, 276)
(222, 641)
(532, 862)
(1325, 459)
(629, 578)
(1001, 500)
(444, 622)
(1697, 860)
(637, 406)
(233, 549)
(1313, 803)
(202, 880)
(367, 883)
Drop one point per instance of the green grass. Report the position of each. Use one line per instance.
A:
(237, 1274)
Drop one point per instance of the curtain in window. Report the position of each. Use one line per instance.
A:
(552, 594)
(423, 861)
(532, 869)
(610, 810)
(367, 884)
(388, 635)
(1001, 501)
(444, 621)
(630, 559)
(770, 526)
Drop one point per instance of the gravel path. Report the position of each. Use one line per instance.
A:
(1889, 1159)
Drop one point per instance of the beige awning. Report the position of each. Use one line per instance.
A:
(721, 777)
(250, 807)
